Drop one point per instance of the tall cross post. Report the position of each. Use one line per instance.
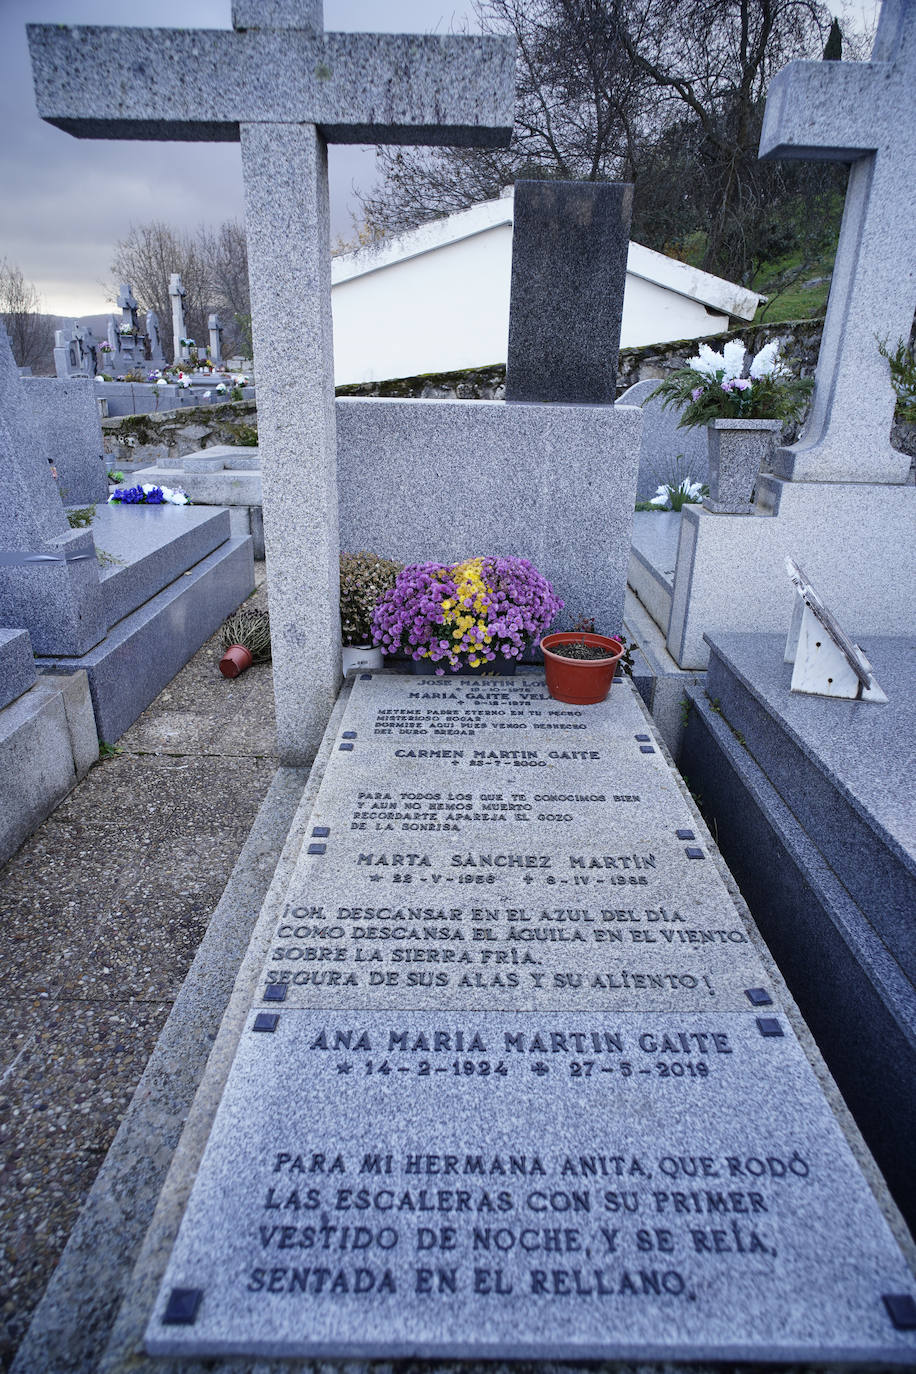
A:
(863, 113)
(284, 88)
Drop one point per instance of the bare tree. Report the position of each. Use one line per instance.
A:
(213, 264)
(667, 93)
(227, 250)
(31, 334)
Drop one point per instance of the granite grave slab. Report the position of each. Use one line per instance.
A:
(409, 1166)
(844, 769)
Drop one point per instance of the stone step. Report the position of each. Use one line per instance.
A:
(844, 768)
(519, 1078)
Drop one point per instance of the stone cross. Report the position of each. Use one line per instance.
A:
(177, 294)
(284, 88)
(862, 113)
(155, 338)
(128, 305)
(215, 329)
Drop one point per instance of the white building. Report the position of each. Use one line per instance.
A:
(437, 299)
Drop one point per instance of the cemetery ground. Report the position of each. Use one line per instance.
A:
(104, 909)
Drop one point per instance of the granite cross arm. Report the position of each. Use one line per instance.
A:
(284, 88)
(201, 85)
(861, 113)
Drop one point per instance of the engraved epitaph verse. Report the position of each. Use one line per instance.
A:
(503, 1090)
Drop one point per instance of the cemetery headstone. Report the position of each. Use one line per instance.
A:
(499, 1093)
(666, 452)
(860, 113)
(216, 338)
(177, 294)
(156, 355)
(49, 577)
(66, 416)
(569, 262)
(75, 352)
(360, 88)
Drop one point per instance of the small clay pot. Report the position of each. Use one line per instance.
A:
(580, 681)
(235, 660)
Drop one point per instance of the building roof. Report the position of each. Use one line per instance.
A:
(711, 291)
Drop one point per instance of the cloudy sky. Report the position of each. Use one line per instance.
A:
(65, 201)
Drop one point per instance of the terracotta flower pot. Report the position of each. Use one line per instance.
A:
(235, 660)
(580, 681)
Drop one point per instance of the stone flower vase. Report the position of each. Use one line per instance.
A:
(737, 450)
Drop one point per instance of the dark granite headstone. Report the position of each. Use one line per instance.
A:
(507, 1088)
(569, 264)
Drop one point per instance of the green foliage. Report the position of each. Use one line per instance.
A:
(81, 517)
(116, 476)
(246, 436)
(108, 751)
(251, 629)
(902, 364)
(364, 580)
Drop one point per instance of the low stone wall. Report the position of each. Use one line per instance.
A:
(145, 440)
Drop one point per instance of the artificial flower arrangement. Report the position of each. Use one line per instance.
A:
(364, 579)
(464, 615)
(713, 387)
(675, 495)
(147, 495)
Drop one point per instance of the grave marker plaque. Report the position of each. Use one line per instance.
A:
(516, 1082)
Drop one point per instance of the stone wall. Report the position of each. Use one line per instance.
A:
(150, 438)
(145, 440)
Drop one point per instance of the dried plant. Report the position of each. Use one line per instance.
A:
(251, 629)
(364, 580)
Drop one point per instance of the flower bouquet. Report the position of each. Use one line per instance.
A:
(464, 615)
(713, 387)
(148, 495)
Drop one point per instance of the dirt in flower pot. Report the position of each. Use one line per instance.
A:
(580, 651)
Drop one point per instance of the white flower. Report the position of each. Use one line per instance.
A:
(767, 362)
(692, 490)
(206, 395)
(662, 497)
(99, 377)
(706, 361)
(221, 388)
(733, 357)
(175, 497)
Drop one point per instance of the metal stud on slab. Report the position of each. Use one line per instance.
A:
(266, 1021)
(182, 1306)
